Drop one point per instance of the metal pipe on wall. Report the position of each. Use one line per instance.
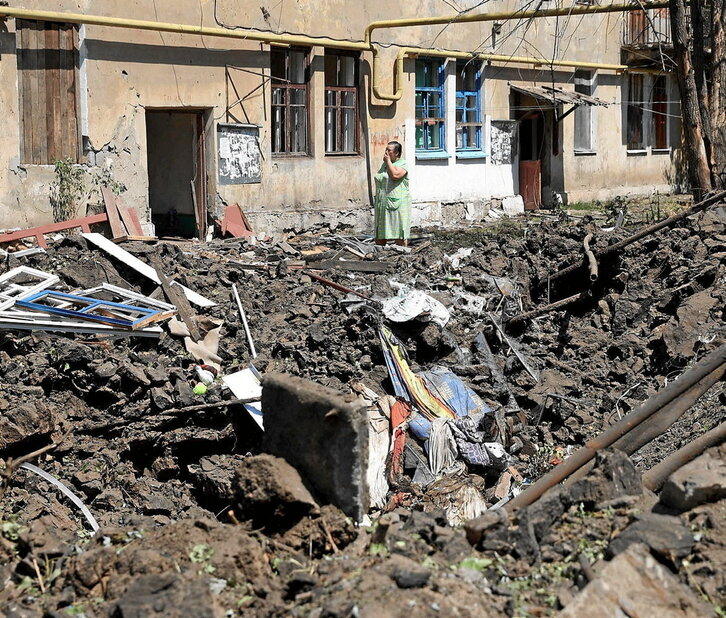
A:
(366, 45)
(508, 15)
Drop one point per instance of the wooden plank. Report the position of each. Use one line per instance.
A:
(133, 213)
(128, 237)
(109, 200)
(129, 217)
(26, 129)
(197, 218)
(52, 44)
(40, 114)
(141, 267)
(351, 265)
(52, 227)
(68, 92)
(33, 57)
(176, 298)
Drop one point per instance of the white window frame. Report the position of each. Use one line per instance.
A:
(590, 85)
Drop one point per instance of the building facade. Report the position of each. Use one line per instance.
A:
(286, 108)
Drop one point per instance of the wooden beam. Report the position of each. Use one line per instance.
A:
(176, 297)
(109, 200)
(39, 231)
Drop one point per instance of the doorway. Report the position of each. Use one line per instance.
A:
(531, 148)
(177, 172)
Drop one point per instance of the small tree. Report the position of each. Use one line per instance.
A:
(67, 190)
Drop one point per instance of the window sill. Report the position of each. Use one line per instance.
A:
(432, 155)
(585, 153)
(636, 153)
(342, 154)
(471, 154)
(291, 155)
(661, 150)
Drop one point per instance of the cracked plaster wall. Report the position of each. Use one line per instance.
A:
(129, 71)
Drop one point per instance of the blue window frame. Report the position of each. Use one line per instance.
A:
(468, 107)
(430, 104)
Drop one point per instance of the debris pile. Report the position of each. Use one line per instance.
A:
(219, 483)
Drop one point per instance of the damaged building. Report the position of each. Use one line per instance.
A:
(221, 396)
(285, 110)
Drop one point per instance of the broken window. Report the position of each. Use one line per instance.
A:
(430, 104)
(289, 72)
(635, 126)
(584, 84)
(47, 63)
(468, 107)
(659, 112)
(341, 103)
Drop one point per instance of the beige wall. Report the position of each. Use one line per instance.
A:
(126, 72)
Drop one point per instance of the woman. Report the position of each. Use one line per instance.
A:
(393, 201)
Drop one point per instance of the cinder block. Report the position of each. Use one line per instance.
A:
(323, 434)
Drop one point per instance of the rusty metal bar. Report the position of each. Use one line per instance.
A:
(590, 258)
(547, 308)
(666, 416)
(628, 423)
(660, 421)
(337, 286)
(647, 231)
(654, 478)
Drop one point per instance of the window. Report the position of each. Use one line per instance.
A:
(635, 126)
(289, 71)
(659, 113)
(584, 84)
(430, 107)
(47, 60)
(341, 103)
(468, 107)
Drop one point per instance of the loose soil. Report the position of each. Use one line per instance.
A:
(158, 471)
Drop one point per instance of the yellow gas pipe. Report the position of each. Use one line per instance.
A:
(366, 45)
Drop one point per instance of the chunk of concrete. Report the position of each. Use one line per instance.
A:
(323, 434)
(667, 536)
(701, 480)
(270, 492)
(613, 476)
(513, 205)
(636, 584)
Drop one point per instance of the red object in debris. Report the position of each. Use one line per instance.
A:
(235, 223)
(400, 411)
(84, 223)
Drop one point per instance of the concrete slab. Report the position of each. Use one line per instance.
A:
(323, 434)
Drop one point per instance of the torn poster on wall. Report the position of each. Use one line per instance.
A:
(239, 153)
(503, 141)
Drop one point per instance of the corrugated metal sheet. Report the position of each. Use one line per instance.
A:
(558, 96)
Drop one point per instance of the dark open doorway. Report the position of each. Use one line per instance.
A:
(177, 173)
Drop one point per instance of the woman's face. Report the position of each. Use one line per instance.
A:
(391, 152)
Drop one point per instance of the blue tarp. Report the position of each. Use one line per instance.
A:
(451, 390)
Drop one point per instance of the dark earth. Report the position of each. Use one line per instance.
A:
(171, 476)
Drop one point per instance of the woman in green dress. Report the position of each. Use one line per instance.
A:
(393, 200)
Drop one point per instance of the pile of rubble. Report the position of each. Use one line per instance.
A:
(428, 387)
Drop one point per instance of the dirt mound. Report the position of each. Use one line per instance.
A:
(182, 531)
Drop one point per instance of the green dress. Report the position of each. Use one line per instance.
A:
(393, 204)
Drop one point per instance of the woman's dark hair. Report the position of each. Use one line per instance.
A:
(397, 147)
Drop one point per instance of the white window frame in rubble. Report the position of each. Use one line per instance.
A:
(11, 292)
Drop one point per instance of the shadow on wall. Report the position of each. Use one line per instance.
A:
(677, 175)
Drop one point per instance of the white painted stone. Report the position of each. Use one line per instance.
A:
(513, 205)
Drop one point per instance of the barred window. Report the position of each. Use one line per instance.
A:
(341, 103)
(290, 101)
